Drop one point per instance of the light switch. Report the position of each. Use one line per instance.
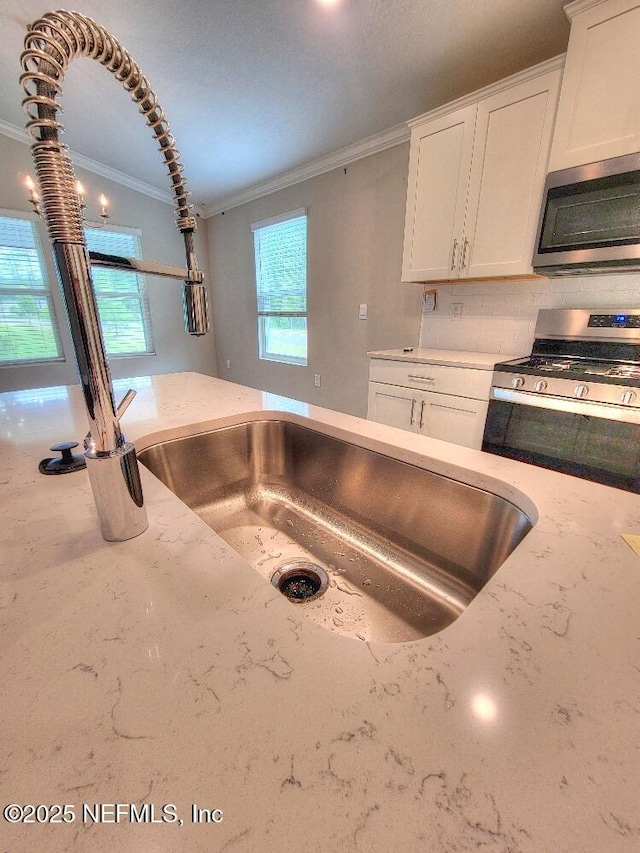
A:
(362, 312)
(316, 380)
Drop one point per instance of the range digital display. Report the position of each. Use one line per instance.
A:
(614, 321)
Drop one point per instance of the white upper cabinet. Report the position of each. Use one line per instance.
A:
(475, 180)
(511, 153)
(439, 168)
(599, 112)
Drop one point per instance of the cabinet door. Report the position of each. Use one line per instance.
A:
(456, 419)
(439, 167)
(599, 112)
(392, 405)
(510, 156)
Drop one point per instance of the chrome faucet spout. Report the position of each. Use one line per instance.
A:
(51, 43)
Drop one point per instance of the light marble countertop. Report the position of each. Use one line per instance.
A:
(164, 670)
(446, 357)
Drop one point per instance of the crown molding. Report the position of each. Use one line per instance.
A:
(578, 6)
(13, 132)
(337, 159)
(492, 89)
(373, 144)
(342, 157)
(82, 162)
(120, 178)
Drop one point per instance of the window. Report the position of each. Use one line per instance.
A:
(121, 296)
(28, 328)
(281, 283)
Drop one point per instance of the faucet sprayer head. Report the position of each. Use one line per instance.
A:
(196, 313)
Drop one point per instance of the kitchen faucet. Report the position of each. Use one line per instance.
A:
(51, 43)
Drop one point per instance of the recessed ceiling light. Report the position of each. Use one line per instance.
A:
(484, 707)
(329, 2)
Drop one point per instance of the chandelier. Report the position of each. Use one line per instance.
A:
(34, 198)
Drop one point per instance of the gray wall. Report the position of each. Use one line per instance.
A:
(355, 233)
(161, 242)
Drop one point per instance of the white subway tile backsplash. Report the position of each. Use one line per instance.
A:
(594, 283)
(500, 316)
(483, 311)
(495, 300)
(545, 300)
(567, 285)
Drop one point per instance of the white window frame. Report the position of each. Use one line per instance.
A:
(43, 292)
(264, 314)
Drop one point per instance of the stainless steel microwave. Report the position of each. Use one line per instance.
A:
(590, 219)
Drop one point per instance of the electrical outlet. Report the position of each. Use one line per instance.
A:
(456, 310)
(429, 300)
(316, 380)
(228, 364)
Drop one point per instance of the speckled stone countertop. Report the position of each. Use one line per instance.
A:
(447, 358)
(164, 671)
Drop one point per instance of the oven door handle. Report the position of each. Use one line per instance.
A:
(608, 411)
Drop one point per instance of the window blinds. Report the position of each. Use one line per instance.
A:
(28, 330)
(120, 295)
(281, 267)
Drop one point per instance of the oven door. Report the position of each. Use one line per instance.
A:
(594, 441)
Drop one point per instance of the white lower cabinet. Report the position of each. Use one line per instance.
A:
(392, 405)
(450, 417)
(455, 419)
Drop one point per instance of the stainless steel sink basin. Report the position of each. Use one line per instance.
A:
(404, 550)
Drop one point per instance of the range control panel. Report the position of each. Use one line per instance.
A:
(614, 321)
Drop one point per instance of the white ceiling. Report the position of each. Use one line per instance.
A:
(255, 88)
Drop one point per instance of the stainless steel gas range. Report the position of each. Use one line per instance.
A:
(574, 404)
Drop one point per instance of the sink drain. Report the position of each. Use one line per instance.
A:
(300, 581)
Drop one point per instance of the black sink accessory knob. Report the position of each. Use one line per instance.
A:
(64, 464)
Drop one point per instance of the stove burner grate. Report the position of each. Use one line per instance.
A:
(611, 369)
(623, 372)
